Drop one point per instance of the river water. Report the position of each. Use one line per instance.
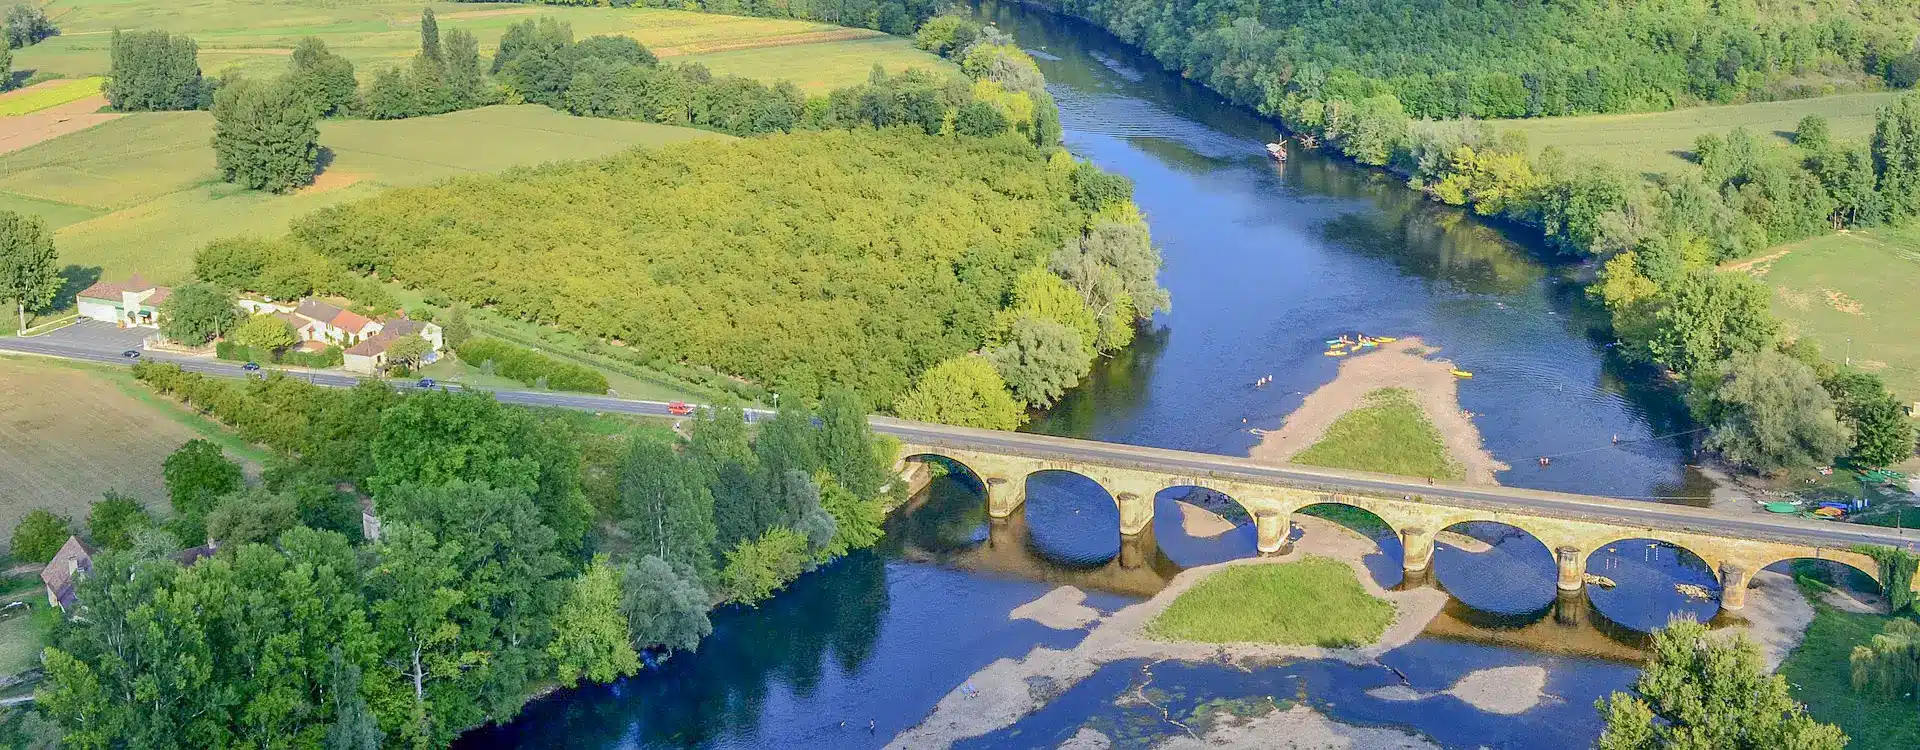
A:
(1264, 262)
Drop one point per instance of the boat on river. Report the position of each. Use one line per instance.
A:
(1462, 374)
(1277, 151)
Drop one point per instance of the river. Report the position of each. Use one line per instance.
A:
(1264, 262)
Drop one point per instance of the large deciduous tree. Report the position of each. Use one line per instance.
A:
(28, 278)
(1769, 412)
(265, 332)
(664, 605)
(39, 535)
(154, 70)
(591, 638)
(1706, 317)
(1040, 360)
(197, 313)
(665, 508)
(964, 391)
(325, 80)
(113, 519)
(197, 475)
(1701, 692)
(264, 136)
(27, 25)
(1896, 156)
(1883, 434)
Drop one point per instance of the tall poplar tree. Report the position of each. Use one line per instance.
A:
(665, 508)
(28, 278)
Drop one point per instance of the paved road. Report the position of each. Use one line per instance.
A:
(1181, 463)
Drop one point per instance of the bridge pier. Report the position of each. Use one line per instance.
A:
(1733, 586)
(1417, 546)
(1136, 512)
(1573, 568)
(1570, 607)
(1004, 496)
(1137, 550)
(1273, 528)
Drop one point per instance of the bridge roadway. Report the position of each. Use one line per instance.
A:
(1183, 464)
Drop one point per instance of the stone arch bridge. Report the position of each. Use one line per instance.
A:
(1734, 545)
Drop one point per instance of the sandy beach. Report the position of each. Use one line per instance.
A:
(1401, 364)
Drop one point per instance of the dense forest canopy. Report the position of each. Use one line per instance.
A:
(853, 258)
(1447, 58)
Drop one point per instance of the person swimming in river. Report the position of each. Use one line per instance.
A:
(1263, 381)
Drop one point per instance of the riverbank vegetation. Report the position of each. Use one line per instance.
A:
(1701, 691)
(1826, 677)
(1386, 432)
(1443, 59)
(515, 549)
(1315, 601)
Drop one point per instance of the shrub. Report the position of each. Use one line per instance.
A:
(531, 367)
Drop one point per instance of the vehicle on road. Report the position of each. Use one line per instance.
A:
(251, 367)
(425, 383)
(131, 354)
(679, 408)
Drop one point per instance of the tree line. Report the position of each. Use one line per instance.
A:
(897, 17)
(488, 576)
(23, 26)
(1445, 59)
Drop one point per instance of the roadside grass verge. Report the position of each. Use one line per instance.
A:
(28, 102)
(1387, 433)
(1854, 293)
(1821, 676)
(140, 194)
(1652, 143)
(1314, 602)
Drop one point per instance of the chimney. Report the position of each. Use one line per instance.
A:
(73, 565)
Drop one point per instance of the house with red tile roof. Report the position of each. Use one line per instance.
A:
(366, 340)
(60, 575)
(130, 303)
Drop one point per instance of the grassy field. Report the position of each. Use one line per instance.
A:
(1859, 286)
(52, 94)
(1822, 678)
(1657, 142)
(141, 193)
(23, 636)
(257, 37)
(69, 432)
(1388, 433)
(1314, 602)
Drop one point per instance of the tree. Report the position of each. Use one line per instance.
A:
(408, 351)
(197, 313)
(1707, 317)
(455, 330)
(1698, 691)
(256, 516)
(415, 588)
(27, 25)
(591, 634)
(28, 278)
(1883, 434)
(1896, 156)
(466, 86)
(388, 96)
(324, 79)
(429, 35)
(664, 507)
(1041, 360)
(40, 535)
(264, 136)
(964, 391)
(1769, 412)
(197, 475)
(154, 70)
(354, 726)
(265, 331)
(756, 569)
(980, 120)
(1813, 134)
(664, 605)
(113, 519)
(845, 447)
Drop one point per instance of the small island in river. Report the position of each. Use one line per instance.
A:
(1399, 403)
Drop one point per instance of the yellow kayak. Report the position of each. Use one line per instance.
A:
(1384, 339)
(1337, 352)
(1462, 374)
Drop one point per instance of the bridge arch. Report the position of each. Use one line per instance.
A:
(913, 465)
(1197, 525)
(1846, 577)
(1642, 582)
(1388, 564)
(1496, 569)
(1072, 519)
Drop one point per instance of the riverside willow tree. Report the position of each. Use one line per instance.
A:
(1701, 692)
(154, 70)
(264, 136)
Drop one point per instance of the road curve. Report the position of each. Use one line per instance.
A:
(1629, 513)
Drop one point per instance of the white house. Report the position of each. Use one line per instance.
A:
(132, 303)
(370, 355)
(366, 340)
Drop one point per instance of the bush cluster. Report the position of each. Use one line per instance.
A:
(531, 367)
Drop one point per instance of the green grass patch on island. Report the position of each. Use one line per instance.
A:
(1314, 602)
(1388, 433)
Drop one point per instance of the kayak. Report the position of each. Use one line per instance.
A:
(1337, 352)
(1462, 374)
(1384, 339)
(1782, 507)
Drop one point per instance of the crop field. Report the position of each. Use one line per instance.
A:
(70, 432)
(48, 94)
(141, 193)
(256, 38)
(1854, 294)
(1658, 142)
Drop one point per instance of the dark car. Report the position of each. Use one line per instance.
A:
(131, 354)
(251, 367)
(425, 383)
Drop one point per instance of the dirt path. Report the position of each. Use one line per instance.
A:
(1395, 365)
(1006, 690)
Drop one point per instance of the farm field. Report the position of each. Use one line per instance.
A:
(1654, 143)
(47, 94)
(141, 194)
(70, 432)
(1859, 286)
(257, 38)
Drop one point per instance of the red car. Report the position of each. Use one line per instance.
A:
(679, 408)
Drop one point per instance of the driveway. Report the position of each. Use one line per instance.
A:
(93, 335)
